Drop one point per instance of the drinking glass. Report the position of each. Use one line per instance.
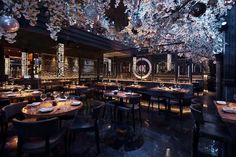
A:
(123, 88)
(55, 94)
(29, 87)
(119, 88)
(43, 97)
(20, 89)
(66, 95)
(235, 97)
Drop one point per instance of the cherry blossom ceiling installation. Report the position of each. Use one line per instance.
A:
(178, 26)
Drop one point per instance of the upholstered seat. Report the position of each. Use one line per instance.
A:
(39, 144)
(38, 136)
(132, 106)
(207, 130)
(82, 122)
(88, 123)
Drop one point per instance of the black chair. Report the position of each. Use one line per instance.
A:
(3, 103)
(207, 130)
(208, 117)
(178, 99)
(38, 136)
(132, 106)
(87, 123)
(158, 100)
(8, 113)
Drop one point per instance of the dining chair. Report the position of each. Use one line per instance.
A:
(156, 98)
(133, 105)
(3, 103)
(38, 136)
(207, 130)
(84, 123)
(179, 99)
(8, 113)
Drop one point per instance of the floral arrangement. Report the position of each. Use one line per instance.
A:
(182, 26)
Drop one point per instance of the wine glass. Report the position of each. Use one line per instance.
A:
(123, 88)
(119, 87)
(66, 95)
(29, 87)
(55, 94)
(20, 89)
(43, 97)
(235, 97)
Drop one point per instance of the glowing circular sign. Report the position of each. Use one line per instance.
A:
(142, 68)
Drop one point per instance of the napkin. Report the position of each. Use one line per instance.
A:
(221, 102)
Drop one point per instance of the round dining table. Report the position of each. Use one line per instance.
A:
(120, 95)
(50, 108)
(26, 94)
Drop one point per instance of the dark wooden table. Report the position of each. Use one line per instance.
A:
(62, 108)
(27, 94)
(226, 117)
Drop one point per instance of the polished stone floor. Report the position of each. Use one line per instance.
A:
(160, 135)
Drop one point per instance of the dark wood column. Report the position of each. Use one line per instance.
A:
(80, 69)
(2, 64)
(190, 71)
(219, 72)
(98, 69)
(229, 60)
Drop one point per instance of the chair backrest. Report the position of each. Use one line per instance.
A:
(97, 107)
(41, 129)
(74, 97)
(4, 102)
(197, 113)
(135, 99)
(89, 94)
(13, 109)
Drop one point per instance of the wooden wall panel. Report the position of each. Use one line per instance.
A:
(230, 56)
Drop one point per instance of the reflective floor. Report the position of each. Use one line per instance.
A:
(160, 135)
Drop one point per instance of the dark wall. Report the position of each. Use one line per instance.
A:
(2, 65)
(230, 56)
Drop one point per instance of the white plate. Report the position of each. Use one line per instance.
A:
(34, 104)
(36, 92)
(28, 90)
(229, 110)
(46, 109)
(10, 95)
(61, 99)
(76, 103)
(221, 102)
(128, 93)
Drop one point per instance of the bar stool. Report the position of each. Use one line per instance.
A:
(207, 130)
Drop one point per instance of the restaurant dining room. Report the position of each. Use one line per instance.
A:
(121, 78)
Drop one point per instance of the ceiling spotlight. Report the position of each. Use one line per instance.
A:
(224, 23)
(224, 26)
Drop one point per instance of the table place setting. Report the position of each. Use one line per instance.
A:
(34, 104)
(46, 109)
(220, 102)
(75, 103)
(229, 109)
